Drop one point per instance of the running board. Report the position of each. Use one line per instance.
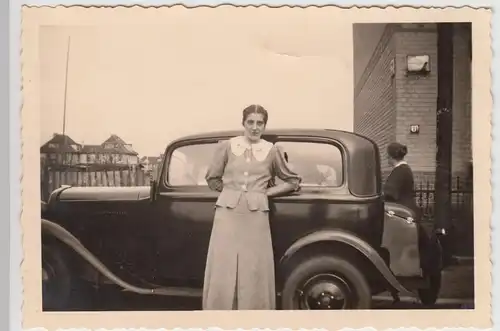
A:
(174, 292)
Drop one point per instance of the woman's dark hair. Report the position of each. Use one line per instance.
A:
(397, 151)
(255, 109)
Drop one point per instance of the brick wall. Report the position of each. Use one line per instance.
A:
(385, 107)
(374, 105)
(416, 97)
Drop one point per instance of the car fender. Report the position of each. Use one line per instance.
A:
(59, 232)
(355, 242)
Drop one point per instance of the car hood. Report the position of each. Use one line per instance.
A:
(104, 193)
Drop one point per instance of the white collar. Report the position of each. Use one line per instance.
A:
(400, 163)
(259, 150)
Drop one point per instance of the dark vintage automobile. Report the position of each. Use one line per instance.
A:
(336, 241)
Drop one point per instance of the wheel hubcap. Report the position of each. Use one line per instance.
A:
(48, 275)
(45, 275)
(325, 291)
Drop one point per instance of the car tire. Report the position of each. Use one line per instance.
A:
(432, 271)
(326, 282)
(428, 296)
(56, 279)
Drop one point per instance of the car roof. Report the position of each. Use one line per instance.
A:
(341, 135)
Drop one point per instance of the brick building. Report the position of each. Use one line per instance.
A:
(388, 101)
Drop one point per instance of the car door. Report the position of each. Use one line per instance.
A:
(320, 164)
(185, 211)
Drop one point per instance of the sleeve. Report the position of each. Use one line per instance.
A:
(282, 170)
(215, 170)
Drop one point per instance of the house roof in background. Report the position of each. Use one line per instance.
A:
(122, 148)
(64, 143)
(114, 139)
(65, 146)
(61, 139)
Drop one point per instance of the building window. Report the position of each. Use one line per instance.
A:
(52, 145)
(68, 157)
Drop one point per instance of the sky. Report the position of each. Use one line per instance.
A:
(150, 83)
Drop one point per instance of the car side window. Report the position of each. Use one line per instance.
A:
(188, 164)
(319, 164)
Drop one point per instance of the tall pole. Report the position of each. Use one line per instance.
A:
(66, 88)
(65, 105)
(444, 129)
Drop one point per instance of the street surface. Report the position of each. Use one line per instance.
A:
(457, 292)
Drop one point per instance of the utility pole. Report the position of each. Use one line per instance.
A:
(66, 89)
(444, 133)
(64, 156)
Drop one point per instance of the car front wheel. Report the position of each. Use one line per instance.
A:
(326, 282)
(56, 279)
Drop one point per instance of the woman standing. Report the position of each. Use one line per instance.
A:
(399, 186)
(239, 271)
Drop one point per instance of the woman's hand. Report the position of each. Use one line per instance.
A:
(280, 189)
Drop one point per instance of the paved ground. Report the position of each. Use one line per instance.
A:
(457, 292)
(458, 282)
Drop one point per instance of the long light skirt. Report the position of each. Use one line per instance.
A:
(239, 273)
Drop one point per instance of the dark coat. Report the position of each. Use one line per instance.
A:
(399, 187)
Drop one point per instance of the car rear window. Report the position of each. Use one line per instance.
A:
(319, 164)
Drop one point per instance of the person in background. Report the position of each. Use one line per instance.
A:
(239, 272)
(399, 186)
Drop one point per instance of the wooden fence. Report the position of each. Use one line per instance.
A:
(105, 175)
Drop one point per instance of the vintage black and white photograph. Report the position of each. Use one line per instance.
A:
(218, 167)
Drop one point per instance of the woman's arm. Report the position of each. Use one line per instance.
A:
(216, 168)
(282, 171)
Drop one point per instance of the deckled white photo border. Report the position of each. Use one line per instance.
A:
(482, 104)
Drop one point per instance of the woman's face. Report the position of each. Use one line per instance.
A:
(254, 126)
(391, 161)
